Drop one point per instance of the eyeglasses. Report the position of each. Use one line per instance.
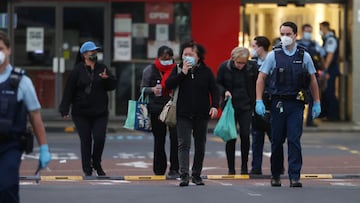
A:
(240, 62)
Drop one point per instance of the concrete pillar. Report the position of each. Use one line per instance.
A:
(355, 61)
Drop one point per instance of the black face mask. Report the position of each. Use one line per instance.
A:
(93, 57)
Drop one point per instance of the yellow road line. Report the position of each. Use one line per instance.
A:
(227, 177)
(320, 176)
(144, 178)
(53, 178)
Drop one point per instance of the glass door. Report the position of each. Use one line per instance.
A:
(34, 48)
(47, 39)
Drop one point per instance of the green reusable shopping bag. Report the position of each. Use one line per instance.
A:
(226, 127)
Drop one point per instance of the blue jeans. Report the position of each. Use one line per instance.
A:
(198, 129)
(286, 125)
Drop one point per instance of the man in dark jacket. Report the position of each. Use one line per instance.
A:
(237, 79)
(197, 101)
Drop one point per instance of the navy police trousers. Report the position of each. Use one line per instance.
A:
(10, 159)
(286, 123)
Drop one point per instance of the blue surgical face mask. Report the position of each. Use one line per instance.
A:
(307, 35)
(189, 59)
(166, 62)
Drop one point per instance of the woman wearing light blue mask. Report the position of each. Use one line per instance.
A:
(197, 102)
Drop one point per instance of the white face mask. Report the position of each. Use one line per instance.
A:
(2, 58)
(286, 40)
(253, 52)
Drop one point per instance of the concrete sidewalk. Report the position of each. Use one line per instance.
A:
(115, 125)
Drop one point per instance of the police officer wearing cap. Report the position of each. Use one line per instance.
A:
(18, 100)
(290, 69)
(86, 94)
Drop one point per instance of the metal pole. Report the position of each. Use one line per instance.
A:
(10, 26)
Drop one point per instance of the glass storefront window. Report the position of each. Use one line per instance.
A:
(153, 25)
(265, 19)
(164, 23)
(28, 50)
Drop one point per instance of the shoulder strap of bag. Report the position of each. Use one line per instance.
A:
(142, 98)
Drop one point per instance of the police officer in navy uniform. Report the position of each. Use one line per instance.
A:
(330, 72)
(291, 70)
(260, 125)
(316, 52)
(17, 100)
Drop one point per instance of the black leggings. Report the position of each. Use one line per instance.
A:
(92, 131)
(243, 118)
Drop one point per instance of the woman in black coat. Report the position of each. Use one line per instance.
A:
(197, 101)
(86, 94)
(237, 79)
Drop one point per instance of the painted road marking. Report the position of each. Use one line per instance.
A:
(136, 164)
(318, 176)
(61, 178)
(144, 178)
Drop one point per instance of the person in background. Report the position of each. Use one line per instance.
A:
(316, 52)
(290, 69)
(160, 70)
(86, 94)
(330, 73)
(260, 125)
(18, 101)
(236, 78)
(197, 101)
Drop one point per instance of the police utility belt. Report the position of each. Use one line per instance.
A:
(301, 96)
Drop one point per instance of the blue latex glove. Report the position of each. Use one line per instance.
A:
(316, 109)
(44, 157)
(260, 107)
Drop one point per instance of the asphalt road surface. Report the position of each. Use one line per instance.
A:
(331, 168)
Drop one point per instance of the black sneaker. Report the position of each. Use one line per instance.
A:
(100, 171)
(295, 183)
(231, 172)
(173, 174)
(184, 180)
(88, 173)
(197, 180)
(255, 172)
(244, 170)
(275, 182)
